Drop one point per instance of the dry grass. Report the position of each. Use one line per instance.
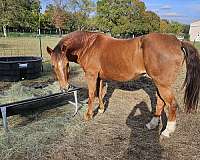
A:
(35, 133)
(18, 91)
(37, 139)
(26, 46)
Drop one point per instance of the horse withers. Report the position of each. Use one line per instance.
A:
(102, 57)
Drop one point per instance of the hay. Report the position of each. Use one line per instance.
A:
(38, 139)
(35, 135)
(18, 92)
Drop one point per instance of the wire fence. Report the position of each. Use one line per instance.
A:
(27, 45)
(21, 32)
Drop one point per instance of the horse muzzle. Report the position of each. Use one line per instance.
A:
(66, 89)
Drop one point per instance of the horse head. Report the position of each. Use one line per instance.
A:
(60, 65)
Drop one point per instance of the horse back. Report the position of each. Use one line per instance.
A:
(116, 59)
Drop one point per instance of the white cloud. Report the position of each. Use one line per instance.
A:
(166, 7)
(172, 14)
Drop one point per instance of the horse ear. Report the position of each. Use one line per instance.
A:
(49, 50)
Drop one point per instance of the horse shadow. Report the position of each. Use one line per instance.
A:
(143, 82)
(143, 144)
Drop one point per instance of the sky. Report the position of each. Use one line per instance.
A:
(184, 11)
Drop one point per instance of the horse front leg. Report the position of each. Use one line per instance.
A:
(91, 80)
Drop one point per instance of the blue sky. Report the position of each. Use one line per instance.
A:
(184, 11)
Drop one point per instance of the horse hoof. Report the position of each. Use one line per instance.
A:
(88, 117)
(163, 137)
(165, 133)
(101, 110)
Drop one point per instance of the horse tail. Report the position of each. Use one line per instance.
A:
(192, 79)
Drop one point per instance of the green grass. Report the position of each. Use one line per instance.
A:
(197, 45)
(26, 46)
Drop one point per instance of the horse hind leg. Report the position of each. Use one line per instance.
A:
(167, 98)
(171, 122)
(100, 93)
(156, 118)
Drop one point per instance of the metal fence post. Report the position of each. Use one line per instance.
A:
(41, 55)
(5, 123)
(76, 102)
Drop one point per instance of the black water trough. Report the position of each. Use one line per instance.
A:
(19, 68)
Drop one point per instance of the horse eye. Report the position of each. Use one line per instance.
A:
(53, 66)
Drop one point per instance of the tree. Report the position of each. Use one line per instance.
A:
(59, 18)
(33, 11)
(55, 17)
(171, 27)
(7, 12)
(164, 26)
(58, 15)
(81, 11)
(176, 28)
(47, 18)
(186, 29)
(126, 18)
(114, 16)
(152, 21)
(15, 13)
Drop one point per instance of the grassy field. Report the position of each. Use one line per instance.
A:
(197, 45)
(26, 46)
(31, 46)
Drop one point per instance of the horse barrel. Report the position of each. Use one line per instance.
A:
(19, 68)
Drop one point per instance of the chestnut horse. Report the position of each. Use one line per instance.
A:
(102, 57)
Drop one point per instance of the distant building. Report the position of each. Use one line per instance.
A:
(195, 31)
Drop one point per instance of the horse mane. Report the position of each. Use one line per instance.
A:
(57, 48)
(76, 40)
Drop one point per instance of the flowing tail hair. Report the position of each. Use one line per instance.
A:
(192, 79)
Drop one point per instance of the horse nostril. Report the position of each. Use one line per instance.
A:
(66, 89)
(62, 90)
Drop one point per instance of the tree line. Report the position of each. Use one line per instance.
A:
(120, 18)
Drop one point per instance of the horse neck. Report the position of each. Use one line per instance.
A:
(75, 50)
(77, 46)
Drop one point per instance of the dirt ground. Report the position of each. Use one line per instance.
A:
(119, 133)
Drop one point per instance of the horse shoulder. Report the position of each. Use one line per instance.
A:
(89, 57)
